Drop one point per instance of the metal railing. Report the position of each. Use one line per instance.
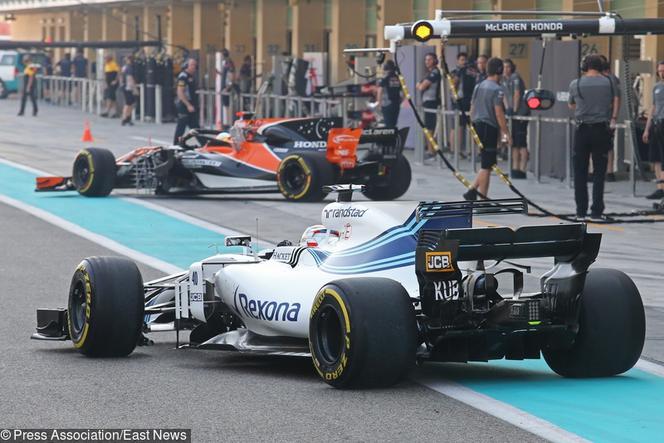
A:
(450, 120)
(82, 93)
(88, 95)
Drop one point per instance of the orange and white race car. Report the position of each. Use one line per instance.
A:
(296, 157)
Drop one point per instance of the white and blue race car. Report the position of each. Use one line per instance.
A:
(374, 288)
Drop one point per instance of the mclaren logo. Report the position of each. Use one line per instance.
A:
(439, 262)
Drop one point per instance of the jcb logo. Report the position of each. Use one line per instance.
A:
(439, 262)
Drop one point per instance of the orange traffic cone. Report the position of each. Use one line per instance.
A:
(87, 134)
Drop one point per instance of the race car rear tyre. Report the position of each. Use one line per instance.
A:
(391, 186)
(611, 329)
(106, 307)
(301, 177)
(94, 172)
(362, 333)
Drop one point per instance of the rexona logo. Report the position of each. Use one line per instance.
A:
(308, 144)
(265, 310)
(439, 262)
(344, 213)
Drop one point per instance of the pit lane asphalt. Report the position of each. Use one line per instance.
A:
(50, 144)
(221, 396)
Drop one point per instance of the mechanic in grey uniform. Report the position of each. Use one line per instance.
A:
(430, 89)
(654, 132)
(390, 95)
(592, 97)
(487, 111)
(515, 89)
(186, 103)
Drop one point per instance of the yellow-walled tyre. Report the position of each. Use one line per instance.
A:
(106, 307)
(94, 172)
(301, 177)
(362, 333)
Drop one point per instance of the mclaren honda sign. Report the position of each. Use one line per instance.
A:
(524, 27)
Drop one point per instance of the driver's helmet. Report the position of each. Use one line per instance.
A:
(318, 235)
(224, 137)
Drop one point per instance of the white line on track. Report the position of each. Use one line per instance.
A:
(23, 167)
(503, 411)
(91, 236)
(650, 367)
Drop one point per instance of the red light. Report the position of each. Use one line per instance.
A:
(534, 102)
(312, 243)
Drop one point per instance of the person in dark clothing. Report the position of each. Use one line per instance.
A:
(130, 90)
(430, 89)
(186, 103)
(515, 89)
(64, 66)
(464, 80)
(228, 85)
(488, 116)
(80, 64)
(592, 97)
(654, 132)
(390, 95)
(111, 77)
(29, 86)
(246, 75)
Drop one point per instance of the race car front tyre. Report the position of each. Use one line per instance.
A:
(362, 333)
(611, 329)
(392, 185)
(301, 177)
(94, 172)
(106, 307)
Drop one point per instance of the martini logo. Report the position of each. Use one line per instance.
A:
(438, 262)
